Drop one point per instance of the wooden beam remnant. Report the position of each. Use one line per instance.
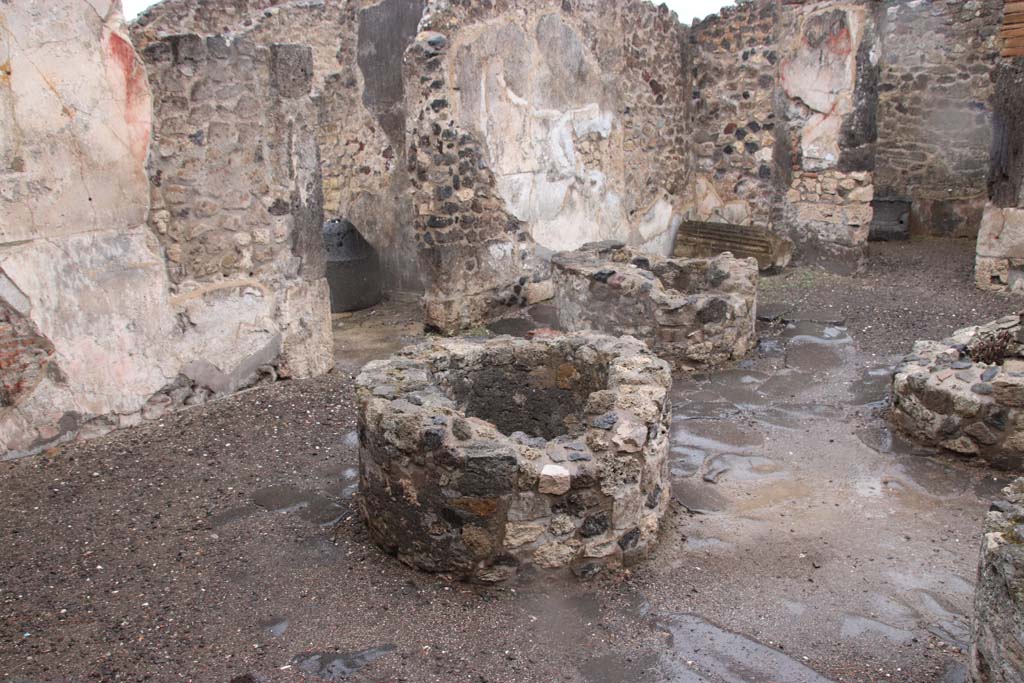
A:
(698, 239)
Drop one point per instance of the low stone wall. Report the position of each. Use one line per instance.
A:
(692, 311)
(997, 652)
(948, 394)
(480, 457)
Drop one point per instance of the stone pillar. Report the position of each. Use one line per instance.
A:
(1000, 261)
(827, 101)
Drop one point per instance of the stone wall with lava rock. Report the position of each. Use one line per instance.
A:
(358, 89)
(735, 70)
(465, 140)
(783, 115)
(827, 100)
(553, 125)
(97, 329)
(934, 110)
(802, 109)
(997, 654)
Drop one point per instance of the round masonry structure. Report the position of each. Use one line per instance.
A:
(478, 458)
(694, 312)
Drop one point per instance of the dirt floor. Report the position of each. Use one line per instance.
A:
(806, 542)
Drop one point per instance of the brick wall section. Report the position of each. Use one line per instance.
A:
(24, 355)
(923, 90)
(829, 133)
(734, 71)
(472, 251)
(934, 112)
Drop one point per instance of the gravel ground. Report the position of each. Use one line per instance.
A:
(912, 290)
(221, 544)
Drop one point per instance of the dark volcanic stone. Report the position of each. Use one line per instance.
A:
(606, 421)
(982, 389)
(595, 525)
(630, 539)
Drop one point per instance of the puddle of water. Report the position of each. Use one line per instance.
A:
(281, 498)
(346, 486)
(741, 468)
(698, 496)
(708, 410)
(685, 462)
(786, 383)
(351, 440)
(769, 348)
(312, 507)
(333, 666)
(701, 652)
(947, 625)
(813, 357)
(737, 386)
(814, 347)
(872, 388)
(715, 436)
(856, 626)
(225, 517)
(275, 627)
(881, 439)
(818, 333)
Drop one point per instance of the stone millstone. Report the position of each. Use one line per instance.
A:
(478, 458)
(695, 312)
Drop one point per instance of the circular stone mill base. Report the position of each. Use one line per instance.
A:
(479, 458)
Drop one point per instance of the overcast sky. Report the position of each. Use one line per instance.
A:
(686, 9)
